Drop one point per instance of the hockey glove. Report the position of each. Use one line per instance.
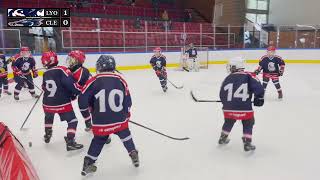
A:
(17, 73)
(158, 72)
(164, 74)
(258, 101)
(280, 73)
(257, 72)
(35, 74)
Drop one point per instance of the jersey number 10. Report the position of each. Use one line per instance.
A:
(241, 92)
(101, 96)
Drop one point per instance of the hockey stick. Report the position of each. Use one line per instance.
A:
(185, 69)
(31, 83)
(198, 100)
(34, 105)
(178, 87)
(170, 137)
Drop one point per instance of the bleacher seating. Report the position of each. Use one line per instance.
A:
(118, 8)
(85, 34)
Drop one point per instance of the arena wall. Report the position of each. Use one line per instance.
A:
(135, 61)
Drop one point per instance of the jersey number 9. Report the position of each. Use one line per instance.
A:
(51, 86)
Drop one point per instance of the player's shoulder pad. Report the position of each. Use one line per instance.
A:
(163, 56)
(279, 57)
(64, 69)
(88, 83)
(252, 75)
(263, 57)
(15, 57)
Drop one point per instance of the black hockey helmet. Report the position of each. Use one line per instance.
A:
(105, 63)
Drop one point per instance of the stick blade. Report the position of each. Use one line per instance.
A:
(194, 98)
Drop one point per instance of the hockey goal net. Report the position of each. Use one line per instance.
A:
(202, 58)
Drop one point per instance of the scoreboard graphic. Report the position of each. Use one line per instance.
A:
(38, 17)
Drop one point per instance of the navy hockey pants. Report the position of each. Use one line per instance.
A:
(274, 80)
(69, 117)
(21, 81)
(163, 78)
(4, 83)
(247, 126)
(98, 142)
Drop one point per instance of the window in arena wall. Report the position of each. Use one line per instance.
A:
(251, 17)
(262, 5)
(251, 4)
(261, 19)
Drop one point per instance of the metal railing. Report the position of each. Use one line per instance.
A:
(125, 38)
(298, 36)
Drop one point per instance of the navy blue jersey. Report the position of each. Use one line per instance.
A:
(25, 65)
(236, 94)
(108, 97)
(192, 52)
(158, 62)
(59, 87)
(3, 66)
(81, 75)
(273, 66)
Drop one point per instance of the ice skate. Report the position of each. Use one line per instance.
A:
(48, 135)
(88, 166)
(247, 144)
(72, 145)
(135, 158)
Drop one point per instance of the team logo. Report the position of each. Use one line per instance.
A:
(25, 12)
(271, 66)
(26, 66)
(26, 23)
(158, 63)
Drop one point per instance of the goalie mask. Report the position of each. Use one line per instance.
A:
(235, 64)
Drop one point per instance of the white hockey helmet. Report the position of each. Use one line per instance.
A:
(235, 64)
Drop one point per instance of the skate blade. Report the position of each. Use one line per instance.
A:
(75, 152)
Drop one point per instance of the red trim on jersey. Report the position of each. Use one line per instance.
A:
(58, 109)
(5, 74)
(78, 74)
(104, 130)
(65, 70)
(263, 57)
(94, 78)
(273, 76)
(238, 115)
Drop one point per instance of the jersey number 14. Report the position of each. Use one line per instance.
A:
(241, 92)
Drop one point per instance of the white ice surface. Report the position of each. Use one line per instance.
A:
(286, 132)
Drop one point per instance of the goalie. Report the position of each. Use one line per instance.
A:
(190, 62)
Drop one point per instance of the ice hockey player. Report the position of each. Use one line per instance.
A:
(107, 97)
(236, 94)
(4, 75)
(81, 75)
(159, 63)
(59, 86)
(24, 70)
(272, 67)
(192, 62)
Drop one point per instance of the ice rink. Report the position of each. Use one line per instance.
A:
(286, 132)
